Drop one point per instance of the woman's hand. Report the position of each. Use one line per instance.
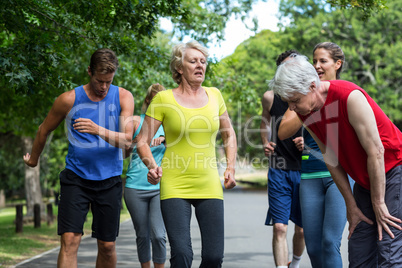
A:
(157, 141)
(154, 175)
(229, 180)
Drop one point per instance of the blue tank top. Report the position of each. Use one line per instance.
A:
(89, 156)
(137, 171)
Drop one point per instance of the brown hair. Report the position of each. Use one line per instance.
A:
(153, 89)
(335, 52)
(103, 61)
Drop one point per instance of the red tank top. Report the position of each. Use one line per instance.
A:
(331, 125)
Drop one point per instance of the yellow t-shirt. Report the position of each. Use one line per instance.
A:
(189, 164)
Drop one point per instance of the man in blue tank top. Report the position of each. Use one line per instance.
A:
(98, 117)
(283, 178)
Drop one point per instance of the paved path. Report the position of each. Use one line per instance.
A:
(247, 239)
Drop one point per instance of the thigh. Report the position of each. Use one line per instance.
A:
(363, 242)
(137, 202)
(279, 197)
(155, 215)
(335, 211)
(106, 213)
(312, 202)
(294, 182)
(209, 213)
(390, 250)
(176, 214)
(73, 207)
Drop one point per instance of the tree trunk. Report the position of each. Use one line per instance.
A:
(33, 192)
(2, 199)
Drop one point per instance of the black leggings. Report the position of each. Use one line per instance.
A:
(176, 214)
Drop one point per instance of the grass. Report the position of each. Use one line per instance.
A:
(16, 247)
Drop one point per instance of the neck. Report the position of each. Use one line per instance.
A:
(186, 88)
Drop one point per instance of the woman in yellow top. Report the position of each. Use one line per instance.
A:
(191, 116)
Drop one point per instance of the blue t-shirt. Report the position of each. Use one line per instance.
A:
(137, 171)
(89, 156)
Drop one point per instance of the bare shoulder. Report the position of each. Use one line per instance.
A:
(267, 100)
(126, 101)
(124, 93)
(65, 102)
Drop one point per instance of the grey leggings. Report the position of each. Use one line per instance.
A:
(177, 217)
(144, 208)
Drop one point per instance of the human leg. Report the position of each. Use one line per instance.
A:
(334, 225)
(176, 214)
(390, 249)
(293, 178)
(312, 198)
(158, 231)
(106, 208)
(107, 257)
(362, 245)
(280, 202)
(72, 210)
(69, 243)
(209, 213)
(280, 245)
(298, 246)
(137, 205)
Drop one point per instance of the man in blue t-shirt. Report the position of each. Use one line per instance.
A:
(98, 117)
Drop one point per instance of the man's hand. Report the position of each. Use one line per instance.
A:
(385, 220)
(269, 148)
(355, 216)
(299, 142)
(27, 161)
(154, 175)
(85, 125)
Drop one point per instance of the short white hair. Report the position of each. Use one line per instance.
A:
(294, 75)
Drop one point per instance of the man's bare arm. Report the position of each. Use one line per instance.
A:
(362, 119)
(61, 106)
(338, 174)
(265, 126)
(289, 126)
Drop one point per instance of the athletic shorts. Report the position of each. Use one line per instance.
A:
(283, 197)
(78, 195)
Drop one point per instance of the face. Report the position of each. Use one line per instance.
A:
(100, 83)
(325, 66)
(194, 66)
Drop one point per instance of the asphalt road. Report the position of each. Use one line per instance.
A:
(247, 240)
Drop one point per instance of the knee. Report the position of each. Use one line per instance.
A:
(107, 249)
(299, 233)
(280, 230)
(329, 244)
(70, 242)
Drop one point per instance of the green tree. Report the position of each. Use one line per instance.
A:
(45, 47)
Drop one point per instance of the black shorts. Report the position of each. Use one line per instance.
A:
(78, 195)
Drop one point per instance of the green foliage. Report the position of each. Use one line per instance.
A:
(45, 49)
(367, 7)
(370, 48)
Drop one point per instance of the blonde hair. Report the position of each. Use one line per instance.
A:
(151, 92)
(178, 51)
